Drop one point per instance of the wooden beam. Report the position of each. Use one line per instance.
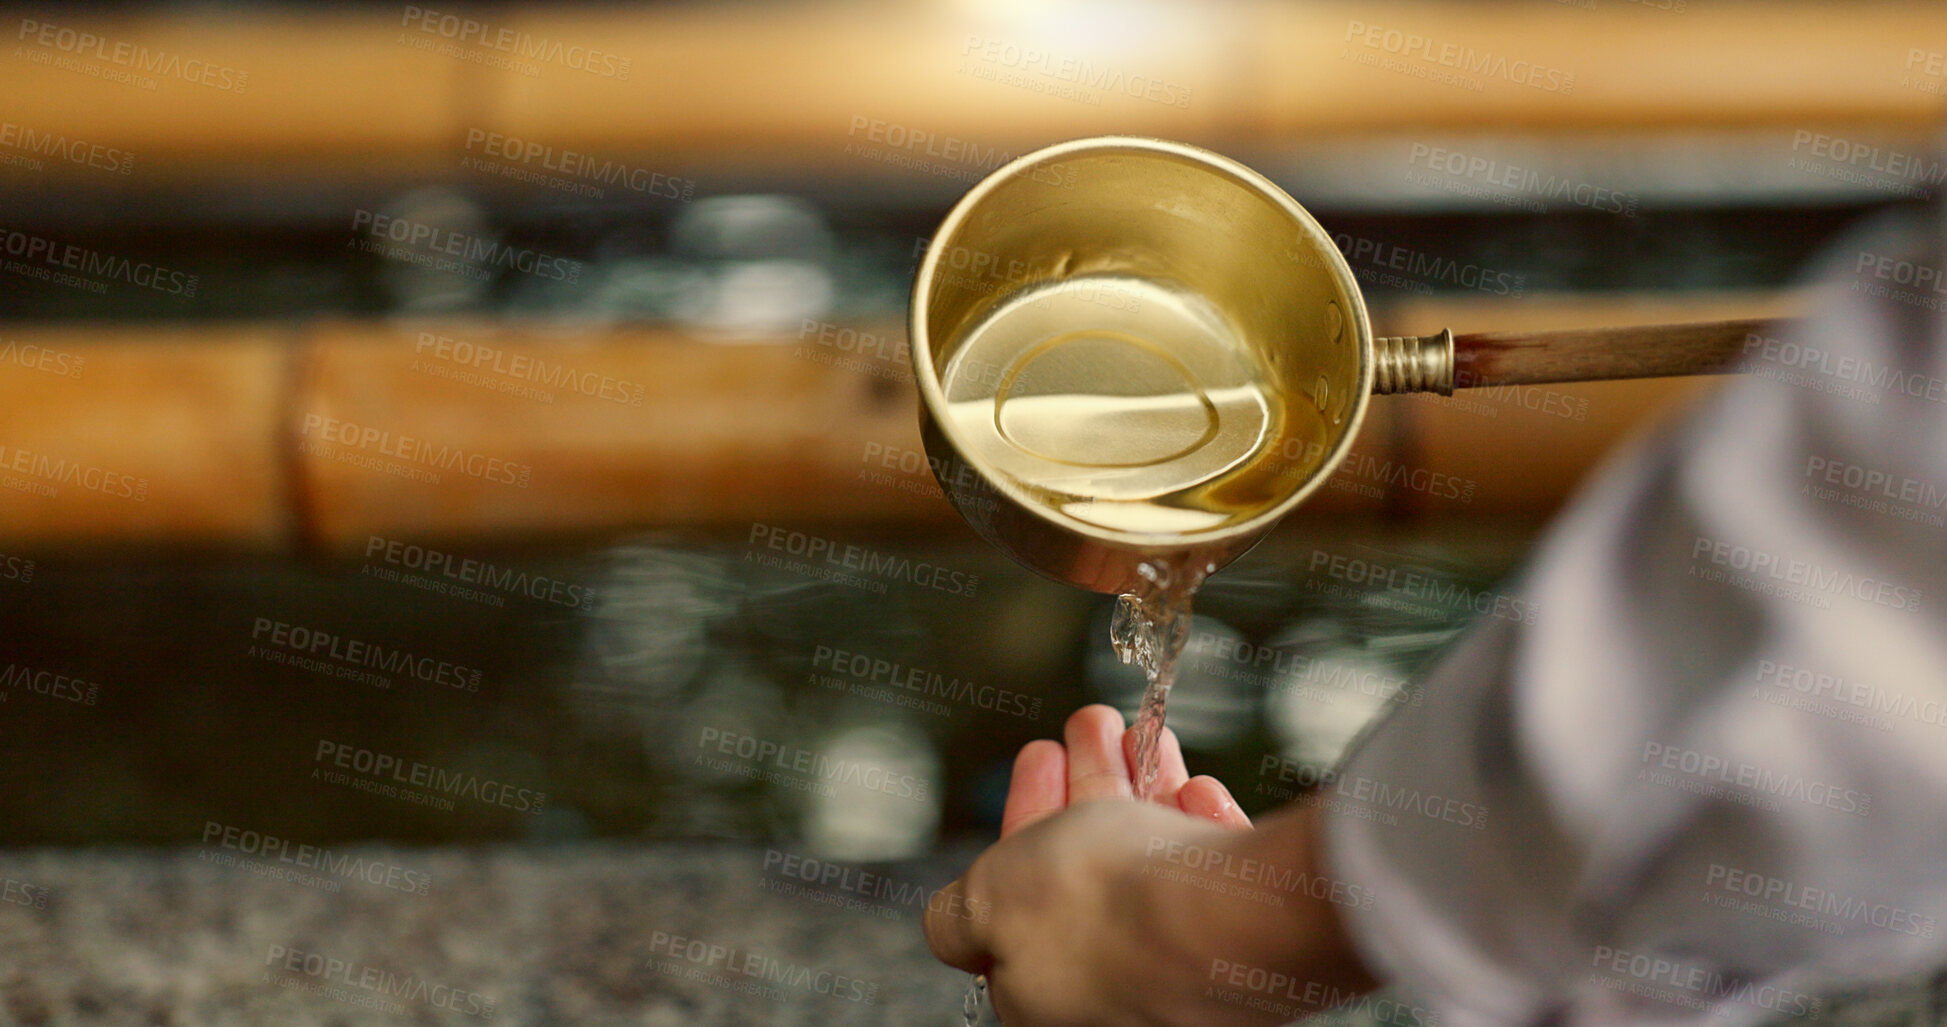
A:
(344, 94)
(321, 436)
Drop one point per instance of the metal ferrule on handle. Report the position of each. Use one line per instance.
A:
(1413, 363)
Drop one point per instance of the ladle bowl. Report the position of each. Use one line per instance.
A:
(1131, 350)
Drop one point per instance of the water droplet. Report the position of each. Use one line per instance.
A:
(970, 1005)
(1322, 392)
(1334, 321)
(1149, 629)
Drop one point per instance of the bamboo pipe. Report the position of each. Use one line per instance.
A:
(238, 432)
(494, 430)
(347, 94)
(166, 433)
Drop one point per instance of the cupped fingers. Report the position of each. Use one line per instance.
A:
(1039, 786)
(1206, 797)
(1171, 772)
(1097, 768)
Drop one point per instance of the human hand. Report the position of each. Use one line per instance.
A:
(1091, 922)
(1099, 762)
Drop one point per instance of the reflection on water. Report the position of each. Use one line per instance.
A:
(703, 695)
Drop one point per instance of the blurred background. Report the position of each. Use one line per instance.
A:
(428, 425)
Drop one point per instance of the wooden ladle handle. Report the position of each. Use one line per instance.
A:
(1480, 359)
(1598, 354)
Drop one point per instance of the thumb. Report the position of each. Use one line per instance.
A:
(956, 932)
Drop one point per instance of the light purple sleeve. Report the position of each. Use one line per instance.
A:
(1712, 773)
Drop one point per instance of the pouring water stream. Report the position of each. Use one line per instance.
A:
(1148, 630)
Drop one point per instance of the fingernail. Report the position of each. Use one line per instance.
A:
(1210, 801)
